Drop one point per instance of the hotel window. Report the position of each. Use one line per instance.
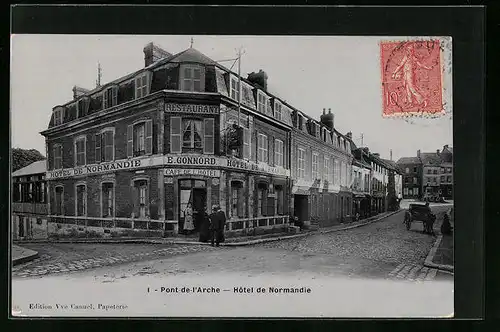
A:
(107, 199)
(58, 116)
(262, 199)
(58, 151)
(261, 102)
(110, 97)
(435, 171)
(105, 145)
(262, 148)
(192, 134)
(301, 163)
(448, 179)
(140, 139)
(235, 91)
(81, 200)
(141, 200)
(277, 110)
(192, 78)
(414, 180)
(278, 152)
(442, 178)
(449, 169)
(141, 85)
(407, 170)
(58, 200)
(237, 199)
(314, 166)
(80, 150)
(246, 143)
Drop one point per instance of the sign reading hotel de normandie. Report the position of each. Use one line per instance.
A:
(168, 161)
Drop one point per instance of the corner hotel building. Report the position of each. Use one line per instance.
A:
(132, 154)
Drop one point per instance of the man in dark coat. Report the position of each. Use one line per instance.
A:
(217, 224)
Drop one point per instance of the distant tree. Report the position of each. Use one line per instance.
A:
(22, 157)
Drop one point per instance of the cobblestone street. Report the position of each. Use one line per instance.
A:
(382, 250)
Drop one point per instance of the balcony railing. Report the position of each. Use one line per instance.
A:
(146, 224)
(31, 208)
(267, 221)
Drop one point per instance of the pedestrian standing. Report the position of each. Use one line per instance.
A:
(217, 224)
(188, 220)
(205, 226)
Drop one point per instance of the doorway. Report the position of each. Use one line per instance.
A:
(300, 207)
(192, 204)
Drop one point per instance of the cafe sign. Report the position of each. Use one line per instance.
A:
(192, 108)
(213, 173)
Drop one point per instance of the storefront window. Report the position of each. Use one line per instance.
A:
(142, 199)
(279, 199)
(107, 200)
(301, 163)
(237, 199)
(81, 200)
(262, 200)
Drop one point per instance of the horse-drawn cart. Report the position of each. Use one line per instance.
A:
(423, 213)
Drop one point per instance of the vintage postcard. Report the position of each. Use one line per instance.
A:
(231, 176)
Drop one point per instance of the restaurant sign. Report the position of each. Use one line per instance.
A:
(192, 108)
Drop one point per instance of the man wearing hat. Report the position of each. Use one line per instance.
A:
(217, 224)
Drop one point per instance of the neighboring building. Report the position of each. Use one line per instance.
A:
(394, 185)
(321, 162)
(431, 165)
(130, 156)
(380, 180)
(446, 178)
(29, 202)
(361, 183)
(411, 168)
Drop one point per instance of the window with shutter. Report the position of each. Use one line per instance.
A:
(208, 135)
(141, 85)
(81, 200)
(58, 156)
(109, 145)
(246, 143)
(139, 138)
(110, 97)
(278, 152)
(149, 137)
(192, 78)
(175, 134)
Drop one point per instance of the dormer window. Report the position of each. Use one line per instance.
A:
(141, 85)
(261, 102)
(58, 116)
(235, 91)
(192, 78)
(82, 107)
(110, 97)
(277, 110)
(301, 122)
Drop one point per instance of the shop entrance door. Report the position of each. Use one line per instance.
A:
(192, 202)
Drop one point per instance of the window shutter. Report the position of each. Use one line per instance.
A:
(208, 136)
(246, 143)
(130, 141)
(98, 148)
(149, 137)
(135, 195)
(175, 134)
(138, 87)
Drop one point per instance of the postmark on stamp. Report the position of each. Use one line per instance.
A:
(412, 82)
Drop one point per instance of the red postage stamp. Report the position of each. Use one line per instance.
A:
(411, 77)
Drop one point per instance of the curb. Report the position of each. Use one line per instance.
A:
(24, 259)
(428, 261)
(229, 244)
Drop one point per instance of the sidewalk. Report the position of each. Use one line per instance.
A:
(441, 255)
(237, 241)
(22, 255)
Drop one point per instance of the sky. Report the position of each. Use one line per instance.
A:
(309, 72)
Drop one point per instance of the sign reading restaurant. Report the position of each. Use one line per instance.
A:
(192, 108)
(169, 160)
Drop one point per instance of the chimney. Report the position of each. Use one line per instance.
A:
(259, 78)
(327, 119)
(437, 152)
(153, 53)
(418, 154)
(390, 152)
(324, 111)
(349, 135)
(78, 91)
